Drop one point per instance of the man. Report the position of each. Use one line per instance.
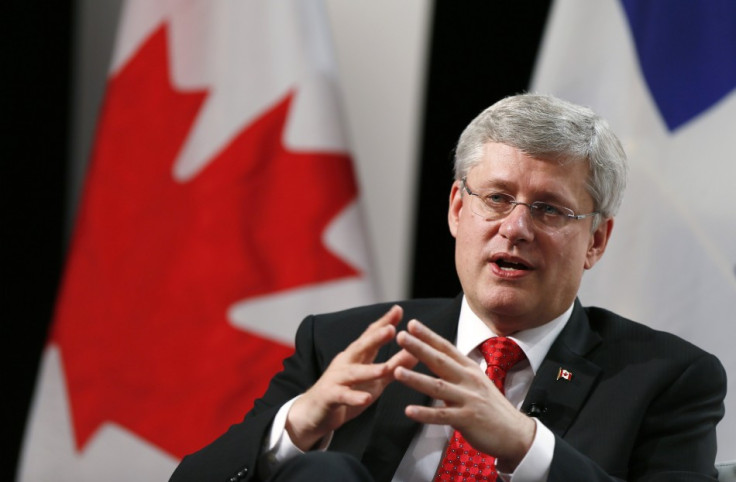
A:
(588, 395)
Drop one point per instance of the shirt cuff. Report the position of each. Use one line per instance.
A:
(536, 463)
(278, 448)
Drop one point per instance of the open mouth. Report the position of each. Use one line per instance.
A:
(507, 265)
(510, 264)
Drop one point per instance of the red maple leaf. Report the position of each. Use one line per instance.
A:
(155, 264)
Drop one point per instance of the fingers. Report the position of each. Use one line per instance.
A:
(352, 375)
(436, 388)
(434, 340)
(437, 353)
(350, 383)
(401, 359)
(365, 348)
(432, 415)
(458, 382)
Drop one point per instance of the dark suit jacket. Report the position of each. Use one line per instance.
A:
(641, 404)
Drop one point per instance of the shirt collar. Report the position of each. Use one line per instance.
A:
(535, 342)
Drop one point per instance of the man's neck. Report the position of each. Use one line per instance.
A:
(535, 341)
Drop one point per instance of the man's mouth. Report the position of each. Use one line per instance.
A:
(506, 263)
(510, 266)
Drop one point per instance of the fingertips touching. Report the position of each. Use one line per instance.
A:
(417, 328)
(402, 359)
(408, 342)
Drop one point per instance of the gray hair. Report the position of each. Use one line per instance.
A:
(545, 127)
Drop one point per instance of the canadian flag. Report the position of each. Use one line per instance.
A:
(564, 374)
(220, 207)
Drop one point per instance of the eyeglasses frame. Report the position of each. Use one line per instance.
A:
(567, 212)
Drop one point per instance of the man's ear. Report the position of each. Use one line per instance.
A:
(598, 242)
(456, 205)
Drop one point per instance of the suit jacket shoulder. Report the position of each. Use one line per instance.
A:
(638, 401)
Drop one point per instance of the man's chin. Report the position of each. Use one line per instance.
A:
(510, 308)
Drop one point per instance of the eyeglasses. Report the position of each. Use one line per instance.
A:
(493, 205)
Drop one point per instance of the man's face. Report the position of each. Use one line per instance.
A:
(515, 273)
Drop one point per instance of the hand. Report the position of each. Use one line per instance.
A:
(350, 384)
(472, 403)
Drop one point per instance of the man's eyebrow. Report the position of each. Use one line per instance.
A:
(553, 197)
(510, 187)
(496, 184)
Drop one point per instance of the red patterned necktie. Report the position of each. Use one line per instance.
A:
(461, 461)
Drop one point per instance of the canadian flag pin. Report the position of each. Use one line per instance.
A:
(564, 374)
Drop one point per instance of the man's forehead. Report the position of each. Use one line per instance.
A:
(499, 160)
(542, 178)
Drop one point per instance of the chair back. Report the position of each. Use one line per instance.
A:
(726, 471)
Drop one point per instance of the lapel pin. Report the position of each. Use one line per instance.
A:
(564, 374)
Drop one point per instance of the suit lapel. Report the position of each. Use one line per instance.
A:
(556, 397)
(393, 431)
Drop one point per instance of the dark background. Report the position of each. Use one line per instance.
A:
(36, 101)
(480, 52)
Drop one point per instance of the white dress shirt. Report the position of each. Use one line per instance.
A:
(425, 452)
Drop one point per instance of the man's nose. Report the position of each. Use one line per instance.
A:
(518, 225)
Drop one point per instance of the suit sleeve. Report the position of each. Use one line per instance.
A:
(677, 437)
(234, 455)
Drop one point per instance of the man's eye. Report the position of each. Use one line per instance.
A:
(547, 209)
(497, 198)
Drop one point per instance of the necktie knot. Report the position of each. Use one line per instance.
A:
(501, 354)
